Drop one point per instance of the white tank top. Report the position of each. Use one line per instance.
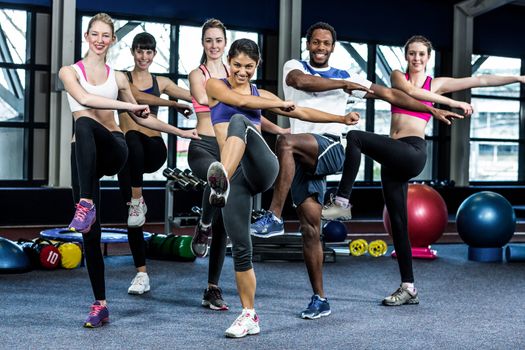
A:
(108, 89)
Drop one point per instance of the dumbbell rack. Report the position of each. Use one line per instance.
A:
(288, 247)
(169, 220)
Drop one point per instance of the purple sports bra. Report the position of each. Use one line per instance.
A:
(422, 115)
(222, 112)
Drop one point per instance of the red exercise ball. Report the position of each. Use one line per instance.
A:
(427, 215)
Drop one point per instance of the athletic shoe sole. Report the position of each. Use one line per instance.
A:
(100, 324)
(252, 332)
(267, 235)
(218, 182)
(408, 302)
(315, 317)
(138, 292)
(86, 230)
(213, 307)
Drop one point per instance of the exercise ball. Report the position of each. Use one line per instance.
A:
(334, 231)
(427, 215)
(12, 257)
(486, 222)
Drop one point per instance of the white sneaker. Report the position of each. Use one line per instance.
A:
(336, 211)
(137, 212)
(219, 184)
(140, 284)
(246, 324)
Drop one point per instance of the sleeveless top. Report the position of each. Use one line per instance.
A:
(108, 89)
(422, 115)
(153, 90)
(222, 112)
(197, 107)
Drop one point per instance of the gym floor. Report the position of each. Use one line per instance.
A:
(464, 305)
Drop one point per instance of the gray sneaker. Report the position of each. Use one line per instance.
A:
(401, 296)
(335, 211)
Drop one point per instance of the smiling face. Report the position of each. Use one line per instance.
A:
(417, 57)
(320, 46)
(242, 68)
(143, 57)
(214, 43)
(99, 37)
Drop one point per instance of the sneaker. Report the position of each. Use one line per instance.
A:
(85, 216)
(317, 308)
(139, 284)
(219, 184)
(246, 324)
(212, 298)
(401, 296)
(199, 242)
(336, 210)
(97, 316)
(137, 212)
(267, 225)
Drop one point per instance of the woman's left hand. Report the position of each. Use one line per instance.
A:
(141, 111)
(445, 116)
(189, 134)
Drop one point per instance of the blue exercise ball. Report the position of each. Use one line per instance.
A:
(486, 220)
(12, 257)
(334, 231)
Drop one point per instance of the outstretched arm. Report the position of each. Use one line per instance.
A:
(399, 82)
(401, 99)
(310, 114)
(168, 87)
(149, 121)
(218, 91)
(272, 128)
(445, 85)
(152, 100)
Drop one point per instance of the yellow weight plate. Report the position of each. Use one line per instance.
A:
(377, 248)
(358, 247)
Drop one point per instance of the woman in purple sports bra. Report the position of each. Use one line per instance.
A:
(247, 166)
(403, 155)
(98, 147)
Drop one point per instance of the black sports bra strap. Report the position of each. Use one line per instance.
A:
(130, 77)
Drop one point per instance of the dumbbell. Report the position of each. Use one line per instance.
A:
(182, 182)
(375, 248)
(197, 183)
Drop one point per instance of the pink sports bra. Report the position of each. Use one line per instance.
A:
(422, 115)
(197, 107)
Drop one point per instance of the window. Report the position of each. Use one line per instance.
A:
(24, 96)
(495, 124)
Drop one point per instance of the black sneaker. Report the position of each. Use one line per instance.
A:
(199, 242)
(212, 298)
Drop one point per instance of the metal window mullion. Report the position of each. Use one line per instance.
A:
(370, 108)
(173, 71)
(521, 147)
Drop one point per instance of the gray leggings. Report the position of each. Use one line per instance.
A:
(257, 172)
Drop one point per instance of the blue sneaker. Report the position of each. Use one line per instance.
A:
(267, 225)
(316, 309)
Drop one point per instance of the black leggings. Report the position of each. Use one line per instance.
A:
(201, 153)
(400, 160)
(96, 152)
(146, 155)
(257, 172)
